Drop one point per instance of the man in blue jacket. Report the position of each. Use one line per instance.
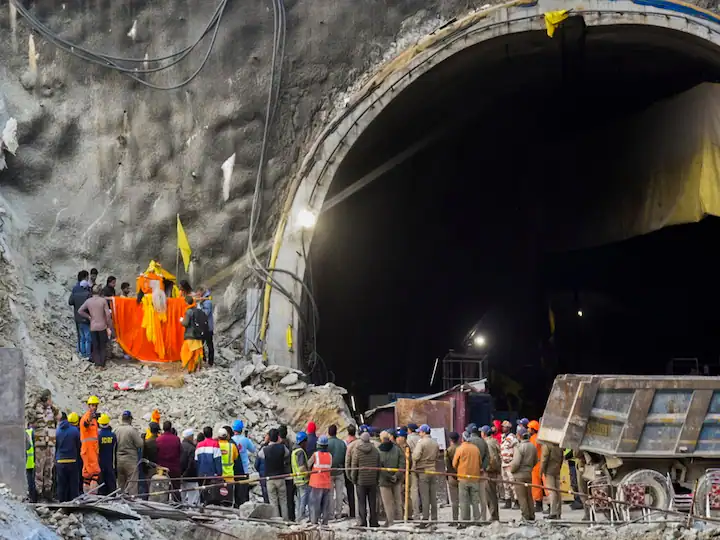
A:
(80, 293)
(244, 445)
(67, 449)
(205, 303)
(108, 456)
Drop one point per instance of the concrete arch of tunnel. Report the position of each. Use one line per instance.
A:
(678, 25)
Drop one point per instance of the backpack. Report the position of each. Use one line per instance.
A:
(201, 324)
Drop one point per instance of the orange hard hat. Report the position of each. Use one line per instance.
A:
(534, 424)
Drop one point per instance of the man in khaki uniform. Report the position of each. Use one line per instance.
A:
(44, 417)
(492, 471)
(550, 464)
(412, 439)
(524, 459)
(424, 456)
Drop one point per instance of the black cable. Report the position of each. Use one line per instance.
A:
(111, 61)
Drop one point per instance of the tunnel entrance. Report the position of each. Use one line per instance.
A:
(523, 133)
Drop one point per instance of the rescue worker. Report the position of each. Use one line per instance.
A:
(424, 457)
(274, 455)
(391, 457)
(287, 469)
(467, 463)
(228, 455)
(44, 420)
(320, 464)
(337, 450)
(312, 437)
(507, 450)
(68, 446)
(74, 420)
(245, 447)
(551, 460)
(154, 417)
(150, 454)
(450, 468)
(474, 433)
(129, 453)
(492, 471)
(299, 464)
(90, 450)
(524, 459)
(401, 441)
(30, 463)
(412, 439)
(537, 493)
(108, 456)
(348, 462)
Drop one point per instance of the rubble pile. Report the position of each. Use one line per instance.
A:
(260, 395)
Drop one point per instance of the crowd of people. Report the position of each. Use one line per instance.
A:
(308, 478)
(92, 311)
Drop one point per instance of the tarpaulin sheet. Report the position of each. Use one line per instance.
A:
(656, 168)
(128, 317)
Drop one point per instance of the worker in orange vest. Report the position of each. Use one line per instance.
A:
(320, 464)
(90, 446)
(537, 493)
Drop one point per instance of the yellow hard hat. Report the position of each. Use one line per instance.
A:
(104, 419)
(93, 400)
(73, 418)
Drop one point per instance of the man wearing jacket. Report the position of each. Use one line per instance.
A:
(246, 447)
(349, 488)
(524, 460)
(188, 469)
(208, 460)
(129, 452)
(492, 471)
(337, 450)
(169, 451)
(80, 293)
(299, 464)
(108, 454)
(366, 481)
(551, 461)
(67, 438)
(320, 464)
(412, 439)
(391, 457)
(467, 463)
(274, 455)
(424, 457)
(205, 303)
(452, 480)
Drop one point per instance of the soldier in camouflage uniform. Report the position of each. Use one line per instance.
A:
(44, 419)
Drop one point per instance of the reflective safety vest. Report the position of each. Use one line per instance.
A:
(323, 464)
(300, 475)
(228, 466)
(30, 452)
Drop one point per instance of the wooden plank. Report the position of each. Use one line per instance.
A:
(699, 405)
(659, 383)
(639, 408)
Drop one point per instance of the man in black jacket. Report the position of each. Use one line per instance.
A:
(274, 455)
(80, 293)
(188, 468)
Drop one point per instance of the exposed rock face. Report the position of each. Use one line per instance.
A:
(105, 164)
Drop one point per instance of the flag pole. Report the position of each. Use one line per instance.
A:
(177, 250)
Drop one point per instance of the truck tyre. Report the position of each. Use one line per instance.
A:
(657, 490)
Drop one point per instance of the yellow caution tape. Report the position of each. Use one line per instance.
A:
(553, 20)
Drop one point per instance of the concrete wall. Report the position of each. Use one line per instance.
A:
(12, 420)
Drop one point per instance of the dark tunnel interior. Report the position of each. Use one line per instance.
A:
(480, 226)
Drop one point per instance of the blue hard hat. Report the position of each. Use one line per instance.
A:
(238, 426)
(486, 429)
(322, 441)
(402, 432)
(300, 437)
(425, 428)
(523, 422)
(364, 428)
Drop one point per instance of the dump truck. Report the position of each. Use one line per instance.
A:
(659, 431)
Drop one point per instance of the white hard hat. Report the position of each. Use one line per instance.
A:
(222, 432)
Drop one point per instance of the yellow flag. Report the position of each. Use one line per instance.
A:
(183, 244)
(553, 20)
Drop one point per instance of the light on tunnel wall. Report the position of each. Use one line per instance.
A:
(479, 340)
(580, 313)
(306, 219)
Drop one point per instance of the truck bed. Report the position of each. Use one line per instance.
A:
(634, 416)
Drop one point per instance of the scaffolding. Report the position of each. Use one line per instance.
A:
(459, 368)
